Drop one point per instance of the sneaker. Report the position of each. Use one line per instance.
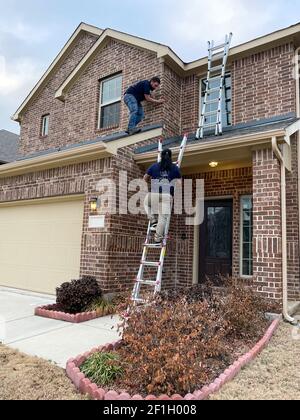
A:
(158, 240)
(153, 227)
(133, 131)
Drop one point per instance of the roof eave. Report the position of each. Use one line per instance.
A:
(217, 145)
(57, 159)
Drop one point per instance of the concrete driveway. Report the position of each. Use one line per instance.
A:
(50, 339)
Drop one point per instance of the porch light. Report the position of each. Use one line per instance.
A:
(213, 164)
(94, 204)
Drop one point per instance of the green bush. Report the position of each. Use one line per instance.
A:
(102, 368)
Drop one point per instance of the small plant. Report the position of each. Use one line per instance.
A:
(102, 368)
(102, 306)
(75, 296)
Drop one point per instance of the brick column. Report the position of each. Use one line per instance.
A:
(267, 253)
(292, 206)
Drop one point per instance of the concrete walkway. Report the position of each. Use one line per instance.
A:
(46, 338)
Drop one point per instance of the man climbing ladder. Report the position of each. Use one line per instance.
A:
(162, 229)
(163, 176)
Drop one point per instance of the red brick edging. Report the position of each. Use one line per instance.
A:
(49, 312)
(85, 386)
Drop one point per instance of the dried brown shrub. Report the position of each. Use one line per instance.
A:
(168, 346)
(186, 337)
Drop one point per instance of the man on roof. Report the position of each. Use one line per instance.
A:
(134, 96)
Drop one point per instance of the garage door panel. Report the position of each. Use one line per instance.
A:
(40, 244)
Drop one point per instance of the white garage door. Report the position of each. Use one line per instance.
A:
(40, 244)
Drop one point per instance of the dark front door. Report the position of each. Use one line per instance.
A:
(216, 240)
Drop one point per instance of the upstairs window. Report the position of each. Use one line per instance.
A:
(226, 103)
(110, 102)
(45, 125)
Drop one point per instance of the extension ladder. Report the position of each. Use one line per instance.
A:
(216, 53)
(156, 284)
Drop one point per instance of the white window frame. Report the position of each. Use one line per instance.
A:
(244, 276)
(200, 96)
(102, 105)
(45, 125)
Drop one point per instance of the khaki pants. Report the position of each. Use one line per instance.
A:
(158, 208)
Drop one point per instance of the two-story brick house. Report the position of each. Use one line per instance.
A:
(72, 136)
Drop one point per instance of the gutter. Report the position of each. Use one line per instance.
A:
(250, 140)
(280, 157)
(56, 159)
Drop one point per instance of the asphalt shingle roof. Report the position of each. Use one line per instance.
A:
(259, 126)
(8, 146)
(105, 139)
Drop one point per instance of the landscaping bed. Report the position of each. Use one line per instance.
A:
(78, 301)
(177, 346)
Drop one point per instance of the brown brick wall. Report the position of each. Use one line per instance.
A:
(190, 103)
(267, 254)
(292, 206)
(227, 183)
(76, 119)
(172, 91)
(263, 85)
(82, 100)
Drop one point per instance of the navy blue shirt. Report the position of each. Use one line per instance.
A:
(163, 181)
(140, 90)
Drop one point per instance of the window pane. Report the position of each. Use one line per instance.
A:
(110, 115)
(218, 242)
(111, 90)
(247, 268)
(247, 236)
(45, 125)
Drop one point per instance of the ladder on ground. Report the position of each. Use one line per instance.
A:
(159, 264)
(216, 54)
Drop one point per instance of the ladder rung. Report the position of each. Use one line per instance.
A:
(214, 78)
(212, 101)
(216, 68)
(158, 246)
(147, 282)
(218, 47)
(137, 300)
(214, 90)
(210, 125)
(217, 56)
(150, 263)
(207, 114)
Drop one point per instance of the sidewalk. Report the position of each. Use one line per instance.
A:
(46, 338)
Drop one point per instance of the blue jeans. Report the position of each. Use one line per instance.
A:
(136, 111)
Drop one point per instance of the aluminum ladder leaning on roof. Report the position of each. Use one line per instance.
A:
(216, 53)
(156, 284)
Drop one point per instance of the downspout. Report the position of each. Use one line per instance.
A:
(279, 156)
(297, 75)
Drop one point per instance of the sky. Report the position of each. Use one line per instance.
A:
(32, 32)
